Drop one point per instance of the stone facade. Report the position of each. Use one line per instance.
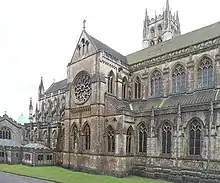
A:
(152, 113)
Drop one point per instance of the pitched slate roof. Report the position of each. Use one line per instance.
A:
(118, 104)
(35, 146)
(101, 46)
(185, 40)
(198, 97)
(60, 85)
(9, 143)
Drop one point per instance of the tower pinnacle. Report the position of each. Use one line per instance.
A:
(161, 27)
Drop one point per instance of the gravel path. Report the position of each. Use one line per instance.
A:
(10, 178)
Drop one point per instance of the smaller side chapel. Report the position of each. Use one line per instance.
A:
(150, 113)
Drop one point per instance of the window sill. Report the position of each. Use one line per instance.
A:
(192, 157)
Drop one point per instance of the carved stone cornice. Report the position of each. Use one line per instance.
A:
(80, 109)
(177, 54)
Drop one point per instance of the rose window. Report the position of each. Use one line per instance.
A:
(82, 88)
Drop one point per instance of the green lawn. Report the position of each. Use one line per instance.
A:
(67, 176)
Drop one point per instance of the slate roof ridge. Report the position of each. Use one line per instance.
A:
(54, 84)
(102, 46)
(11, 120)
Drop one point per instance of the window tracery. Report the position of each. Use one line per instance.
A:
(137, 88)
(178, 80)
(166, 138)
(156, 84)
(111, 82)
(129, 140)
(86, 137)
(142, 138)
(5, 133)
(195, 138)
(74, 132)
(124, 88)
(110, 139)
(205, 73)
(82, 88)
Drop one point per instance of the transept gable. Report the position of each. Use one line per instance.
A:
(6, 118)
(84, 48)
(88, 45)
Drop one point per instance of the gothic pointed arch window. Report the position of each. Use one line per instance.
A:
(83, 46)
(129, 140)
(166, 138)
(5, 133)
(86, 137)
(156, 84)
(62, 139)
(178, 79)
(152, 31)
(152, 43)
(124, 87)
(160, 29)
(205, 73)
(159, 40)
(111, 82)
(45, 138)
(54, 139)
(110, 139)
(137, 88)
(74, 132)
(142, 138)
(195, 137)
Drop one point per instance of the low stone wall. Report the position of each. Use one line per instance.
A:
(97, 164)
(176, 175)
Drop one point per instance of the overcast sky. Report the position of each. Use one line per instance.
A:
(38, 37)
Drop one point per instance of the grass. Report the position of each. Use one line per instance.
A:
(68, 176)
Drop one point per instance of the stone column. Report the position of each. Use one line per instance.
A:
(165, 81)
(48, 134)
(152, 135)
(119, 139)
(31, 132)
(119, 84)
(145, 85)
(38, 131)
(190, 74)
(177, 136)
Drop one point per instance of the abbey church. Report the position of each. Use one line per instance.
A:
(152, 113)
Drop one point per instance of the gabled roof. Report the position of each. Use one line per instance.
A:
(10, 120)
(101, 46)
(55, 87)
(185, 40)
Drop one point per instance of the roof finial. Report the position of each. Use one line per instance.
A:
(84, 24)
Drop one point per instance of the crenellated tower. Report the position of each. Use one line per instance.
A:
(162, 27)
